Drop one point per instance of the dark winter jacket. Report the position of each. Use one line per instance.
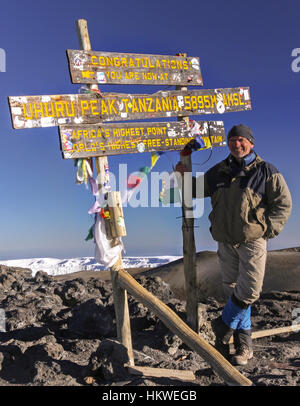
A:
(247, 202)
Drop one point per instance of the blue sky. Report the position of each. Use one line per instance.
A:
(43, 212)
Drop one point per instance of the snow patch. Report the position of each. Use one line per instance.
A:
(56, 266)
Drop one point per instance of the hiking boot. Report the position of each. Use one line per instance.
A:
(243, 346)
(242, 355)
(223, 334)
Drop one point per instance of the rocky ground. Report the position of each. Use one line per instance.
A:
(62, 333)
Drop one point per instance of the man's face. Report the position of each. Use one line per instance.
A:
(239, 147)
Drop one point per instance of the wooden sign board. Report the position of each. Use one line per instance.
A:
(48, 111)
(86, 141)
(121, 68)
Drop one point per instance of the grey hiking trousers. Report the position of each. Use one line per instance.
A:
(243, 269)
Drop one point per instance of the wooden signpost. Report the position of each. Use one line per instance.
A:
(119, 294)
(120, 68)
(84, 133)
(84, 141)
(188, 240)
(54, 110)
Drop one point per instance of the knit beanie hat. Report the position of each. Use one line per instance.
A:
(241, 130)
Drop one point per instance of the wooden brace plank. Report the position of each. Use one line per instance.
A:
(172, 321)
(162, 373)
(273, 331)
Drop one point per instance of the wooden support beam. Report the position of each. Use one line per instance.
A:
(120, 295)
(189, 247)
(162, 373)
(172, 321)
(121, 310)
(273, 331)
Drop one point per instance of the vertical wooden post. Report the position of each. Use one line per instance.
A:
(189, 248)
(120, 295)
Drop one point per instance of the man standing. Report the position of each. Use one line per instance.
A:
(250, 204)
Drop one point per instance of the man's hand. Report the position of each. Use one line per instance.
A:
(181, 168)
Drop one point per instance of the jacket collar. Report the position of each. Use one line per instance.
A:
(246, 161)
(226, 165)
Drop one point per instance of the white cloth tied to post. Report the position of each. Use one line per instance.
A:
(104, 254)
